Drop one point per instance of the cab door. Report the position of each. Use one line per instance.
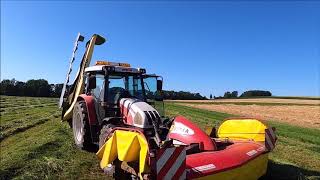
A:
(98, 94)
(153, 91)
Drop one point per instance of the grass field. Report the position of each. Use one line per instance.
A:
(304, 116)
(35, 144)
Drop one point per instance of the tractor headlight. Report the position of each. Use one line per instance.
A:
(138, 119)
(110, 68)
(142, 70)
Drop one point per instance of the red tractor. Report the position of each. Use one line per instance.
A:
(119, 110)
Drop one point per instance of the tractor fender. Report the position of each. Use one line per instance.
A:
(89, 100)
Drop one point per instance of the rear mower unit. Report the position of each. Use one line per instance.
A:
(118, 111)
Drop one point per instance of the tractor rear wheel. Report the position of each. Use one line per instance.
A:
(80, 126)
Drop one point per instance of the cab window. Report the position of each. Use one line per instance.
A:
(98, 92)
(153, 96)
(135, 87)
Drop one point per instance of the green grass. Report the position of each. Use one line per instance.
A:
(35, 144)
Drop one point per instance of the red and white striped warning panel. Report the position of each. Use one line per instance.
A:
(171, 163)
(271, 138)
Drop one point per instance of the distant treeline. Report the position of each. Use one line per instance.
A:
(41, 88)
(182, 95)
(246, 94)
(33, 88)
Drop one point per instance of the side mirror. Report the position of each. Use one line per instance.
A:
(159, 85)
(92, 82)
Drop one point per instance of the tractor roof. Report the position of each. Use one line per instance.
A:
(118, 67)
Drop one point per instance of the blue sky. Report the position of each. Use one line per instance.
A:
(206, 47)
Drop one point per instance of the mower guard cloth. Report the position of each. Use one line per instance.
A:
(242, 129)
(251, 170)
(126, 146)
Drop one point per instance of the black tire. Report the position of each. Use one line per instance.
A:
(80, 126)
(104, 133)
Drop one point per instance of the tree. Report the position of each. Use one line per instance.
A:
(12, 87)
(182, 95)
(255, 93)
(56, 89)
(234, 94)
(6, 87)
(210, 96)
(20, 88)
(38, 88)
(227, 94)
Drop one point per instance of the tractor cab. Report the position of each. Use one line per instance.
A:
(108, 96)
(109, 82)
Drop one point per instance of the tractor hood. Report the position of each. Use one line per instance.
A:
(138, 113)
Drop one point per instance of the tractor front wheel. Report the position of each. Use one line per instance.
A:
(104, 133)
(80, 126)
